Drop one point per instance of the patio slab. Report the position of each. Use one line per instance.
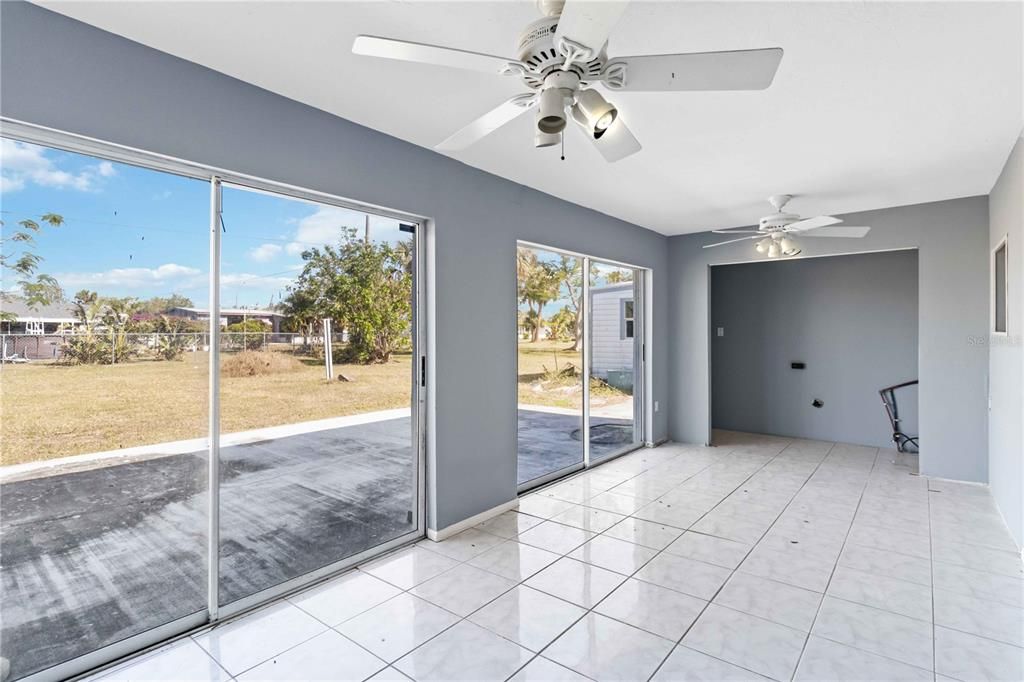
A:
(94, 556)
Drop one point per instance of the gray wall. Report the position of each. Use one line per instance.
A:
(851, 319)
(67, 75)
(1006, 353)
(952, 242)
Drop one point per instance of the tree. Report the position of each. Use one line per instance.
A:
(538, 283)
(365, 288)
(618, 276)
(563, 324)
(37, 289)
(570, 272)
(161, 304)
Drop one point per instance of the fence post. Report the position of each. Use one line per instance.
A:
(328, 350)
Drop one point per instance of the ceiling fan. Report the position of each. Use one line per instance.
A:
(563, 56)
(776, 232)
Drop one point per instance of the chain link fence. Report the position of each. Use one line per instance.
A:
(125, 347)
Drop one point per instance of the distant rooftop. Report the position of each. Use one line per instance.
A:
(53, 312)
(252, 312)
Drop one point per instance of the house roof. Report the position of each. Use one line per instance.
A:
(608, 288)
(53, 312)
(233, 312)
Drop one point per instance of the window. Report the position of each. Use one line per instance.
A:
(627, 319)
(999, 288)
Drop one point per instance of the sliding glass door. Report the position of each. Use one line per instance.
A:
(211, 394)
(572, 326)
(318, 456)
(550, 363)
(103, 438)
(614, 325)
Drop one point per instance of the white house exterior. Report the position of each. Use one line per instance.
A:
(39, 320)
(612, 330)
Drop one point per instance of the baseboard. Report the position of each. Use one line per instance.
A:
(448, 531)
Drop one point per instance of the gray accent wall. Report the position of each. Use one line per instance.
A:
(64, 74)
(951, 238)
(852, 321)
(1006, 353)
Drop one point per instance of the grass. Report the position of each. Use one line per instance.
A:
(50, 411)
(540, 383)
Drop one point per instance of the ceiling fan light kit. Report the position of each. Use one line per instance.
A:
(562, 58)
(775, 232)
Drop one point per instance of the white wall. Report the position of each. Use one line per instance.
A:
(1006, 353)
(952, 242)
(609, 351)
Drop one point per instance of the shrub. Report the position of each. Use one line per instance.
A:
(250, 363)
(171, 346)
(246, 335)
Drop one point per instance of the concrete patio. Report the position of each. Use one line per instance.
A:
(96, 555)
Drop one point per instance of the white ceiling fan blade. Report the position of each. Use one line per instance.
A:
(733, 70)
(588, 22)
(811, 223)
(617, 142)
(372, 46)
(731, 241)
(488, 123)
(838, 231)
(739, 232)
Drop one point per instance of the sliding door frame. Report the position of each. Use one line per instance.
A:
(641, 353)
(421, 411)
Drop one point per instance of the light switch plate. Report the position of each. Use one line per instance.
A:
(721, 331)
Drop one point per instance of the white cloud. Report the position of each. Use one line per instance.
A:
(21, 163)
(323, 227)
(171, 275)
(244, 280)
(10, 184)
(265, 252)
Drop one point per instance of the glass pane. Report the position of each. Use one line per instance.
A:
(313, 470)
(1000, 289)
(550, 384)
(612, 359)
(103, 467)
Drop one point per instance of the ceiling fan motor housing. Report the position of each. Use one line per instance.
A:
(777, 221)
(536, 49)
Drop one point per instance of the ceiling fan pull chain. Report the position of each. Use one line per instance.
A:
(562, 135)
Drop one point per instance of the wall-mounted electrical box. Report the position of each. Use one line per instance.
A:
(797, 365)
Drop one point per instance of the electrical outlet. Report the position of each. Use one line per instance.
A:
(655, 405)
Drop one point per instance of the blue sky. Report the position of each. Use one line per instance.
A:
(135, 232)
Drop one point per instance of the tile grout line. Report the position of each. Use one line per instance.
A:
(591, 609)
(679, 642)
(931, 573)
(835, 564)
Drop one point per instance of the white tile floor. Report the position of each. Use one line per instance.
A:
(764, 557)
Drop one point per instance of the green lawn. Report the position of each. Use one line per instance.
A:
(51, 410)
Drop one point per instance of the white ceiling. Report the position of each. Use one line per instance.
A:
(875, 103)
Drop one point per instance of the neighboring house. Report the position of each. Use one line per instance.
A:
(612, 329)
(228, 316)
(39, 320)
